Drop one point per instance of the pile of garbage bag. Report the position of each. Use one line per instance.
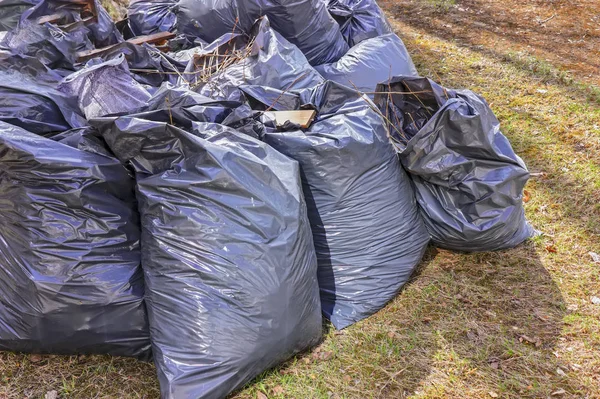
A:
(202, 182)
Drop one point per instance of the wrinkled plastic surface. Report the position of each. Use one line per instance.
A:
(49, 44)
(272, 62)
(102, 33)
(29, 98)
(359, 19)
(70, 275)
(469, 181)
(367, 230)
(147, 17)
(10, 12)
(229, 264)
(105, 88)
(305, 23)
(371, 62)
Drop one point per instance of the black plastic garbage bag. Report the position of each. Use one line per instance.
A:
(371, 62)
(269, 60)
(10, 12)
(29, 98)
(102, 33)
(147, 17)
(51, 45)
(105, 88)
(367, 230)
(230, 268)
(70, 275)
(305, 23)
(359, 19)
(469, 181)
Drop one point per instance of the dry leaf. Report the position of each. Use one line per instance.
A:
(278, 390)
(551, 248)
(559, 392)
(595, 257)
(526, 196)
(51, 395)
(595, 300)
(560, 372)
(306, 360)
(326, 355)
(493, 394)
(347, 378)
(35, 358)
(391, 334)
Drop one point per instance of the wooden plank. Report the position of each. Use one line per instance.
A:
(302, 117)
(52, 18)
(155, 38)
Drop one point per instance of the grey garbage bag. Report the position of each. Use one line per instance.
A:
(105, 88)
(305, 23)
(371, 62)
(29, 98)
(70, 275)
(49, 44)
(468, 180)
(102, 32)
(367, 230)
(268, 60)
(147, 17)
(230, 268)
(10, 12)
(359, 19)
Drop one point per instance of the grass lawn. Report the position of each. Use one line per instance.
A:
(511, 324)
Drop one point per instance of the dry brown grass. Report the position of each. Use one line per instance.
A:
(516, 324)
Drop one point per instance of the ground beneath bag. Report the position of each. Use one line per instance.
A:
(70, 275)
(468, 180)
(228, 257)
(367, 230)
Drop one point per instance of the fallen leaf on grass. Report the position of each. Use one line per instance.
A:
(347, 378)
(261, 395)
(526, 196)
(559, 392)
(326, 355)
(51, 395)
(493, 394)
(560, 372)
(35, 358)
(551, 248)
(595, 300)
(595, 257)
(278, 390)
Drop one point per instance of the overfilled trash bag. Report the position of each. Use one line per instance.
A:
(70, 275)
(229, 264)
(305, 23)
(267, 60)
(147, 17)
(369, 63)
(51, 45)
(29, 98)
(103, 32)
(10, 12)
(366, 226)
(468, 180)
(105, 88)
(359, 19)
